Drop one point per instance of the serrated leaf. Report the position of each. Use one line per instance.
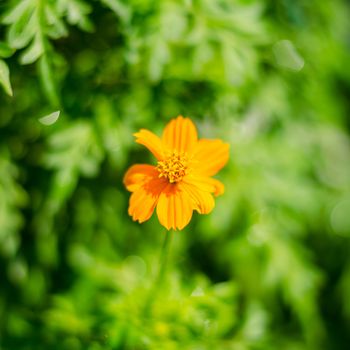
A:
(5, 78)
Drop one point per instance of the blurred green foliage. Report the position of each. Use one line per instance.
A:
(269, 268)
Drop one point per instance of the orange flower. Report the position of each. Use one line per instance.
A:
(181, 181)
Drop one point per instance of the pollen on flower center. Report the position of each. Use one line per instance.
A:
(174, 167)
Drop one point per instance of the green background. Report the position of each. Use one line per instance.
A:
(269, 268)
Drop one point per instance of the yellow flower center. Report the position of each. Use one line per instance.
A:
(174, 167)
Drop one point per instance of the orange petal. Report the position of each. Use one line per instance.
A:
(144, 199)
(199, 181)
(137, 175)
(151, 141)
(180, 134)
(219, 186)
(174, 208)
(203, 200)
(205, 183)
(210, 156)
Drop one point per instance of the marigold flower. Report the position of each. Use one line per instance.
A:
(181, 181)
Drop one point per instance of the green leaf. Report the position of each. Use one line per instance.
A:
(23, 30)
(159, 57)
(47, 80)
(118, 8)
(287, 56)
(50, 118)
(5, 78)
(77, 12)
(5, 50)
(33, 52)
(12, 197)
(15, 14)
(57, 28)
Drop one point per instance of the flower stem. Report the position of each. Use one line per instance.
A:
(158, 281)
(163, 258)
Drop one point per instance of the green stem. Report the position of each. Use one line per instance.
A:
(163, 258)
(158, 281)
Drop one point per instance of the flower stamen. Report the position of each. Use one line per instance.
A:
(174, 167)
